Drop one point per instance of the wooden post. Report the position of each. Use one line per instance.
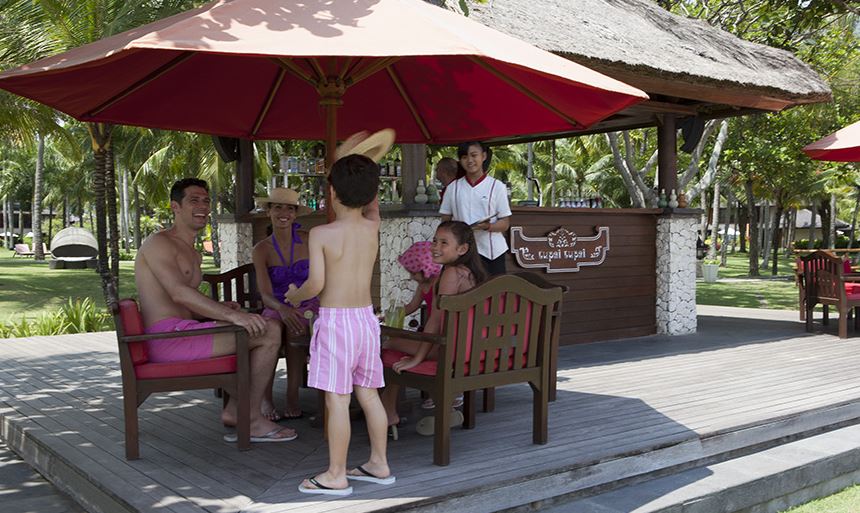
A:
(413, 168)
(667, 156)
(244, 179)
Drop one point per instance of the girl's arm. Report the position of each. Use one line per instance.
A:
(414, 303)
(449, 283)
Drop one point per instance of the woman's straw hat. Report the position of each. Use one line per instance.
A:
(284, 196)
(375, 146)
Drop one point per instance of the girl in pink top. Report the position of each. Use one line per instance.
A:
(454, 248)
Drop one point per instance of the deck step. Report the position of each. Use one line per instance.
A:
(768, 481)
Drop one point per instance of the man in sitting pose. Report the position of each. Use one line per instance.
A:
(167, 273)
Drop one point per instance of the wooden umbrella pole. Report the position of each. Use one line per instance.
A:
(331, 97)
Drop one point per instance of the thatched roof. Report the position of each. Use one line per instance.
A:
(679, 61)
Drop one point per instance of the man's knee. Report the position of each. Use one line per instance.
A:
(272, 336)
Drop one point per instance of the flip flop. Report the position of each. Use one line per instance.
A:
(370, 478)
(268, 437)
(427, 425)
(321, 489)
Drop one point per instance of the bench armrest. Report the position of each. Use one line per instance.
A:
(232, 328)
(417, 336)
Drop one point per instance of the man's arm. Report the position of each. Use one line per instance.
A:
(316, 274)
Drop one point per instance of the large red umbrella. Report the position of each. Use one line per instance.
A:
(323, 69)
(840, 146)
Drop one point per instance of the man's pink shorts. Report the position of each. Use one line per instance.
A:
(345, 350)
(183, 348)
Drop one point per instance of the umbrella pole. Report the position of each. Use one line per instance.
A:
(330, 149)
(331, 92)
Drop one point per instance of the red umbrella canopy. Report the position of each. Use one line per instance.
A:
(840, 146)
(258, 69)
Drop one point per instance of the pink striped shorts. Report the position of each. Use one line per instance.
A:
(345, 350)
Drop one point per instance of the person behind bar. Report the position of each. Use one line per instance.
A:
(480, 201)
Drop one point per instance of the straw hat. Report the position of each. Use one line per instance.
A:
(375, 146)
(284, 196)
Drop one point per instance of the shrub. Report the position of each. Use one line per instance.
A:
(76, 316)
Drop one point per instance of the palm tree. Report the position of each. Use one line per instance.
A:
(33, 29)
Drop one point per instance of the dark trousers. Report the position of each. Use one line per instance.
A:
(494, 267)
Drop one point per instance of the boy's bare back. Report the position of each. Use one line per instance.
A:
(348, 248)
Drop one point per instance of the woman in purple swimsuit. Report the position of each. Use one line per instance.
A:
(279, 261)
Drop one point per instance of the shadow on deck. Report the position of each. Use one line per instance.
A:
(626, 410)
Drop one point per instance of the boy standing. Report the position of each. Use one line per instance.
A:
(345, 344)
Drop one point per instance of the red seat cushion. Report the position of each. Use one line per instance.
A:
(846, 267)
(219, 365)
(132, 324)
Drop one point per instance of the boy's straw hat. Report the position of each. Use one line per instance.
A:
(375, 146)
(284, 196)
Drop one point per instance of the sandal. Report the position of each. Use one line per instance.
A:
(427, 425)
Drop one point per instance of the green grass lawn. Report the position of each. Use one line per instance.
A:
(735, 288)
(29, 288)
(846, 501)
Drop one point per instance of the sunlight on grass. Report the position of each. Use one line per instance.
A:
(29, 288)
(846, 501)
(736, 288)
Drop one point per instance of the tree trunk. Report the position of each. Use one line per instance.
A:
(21, 221)
(824, 212)
(743, 223)
(813, 211)
(136, 226)
(50, 222)
(7, 224)
(703, 222)
(715, 222)
(766, 235)
(634, 190)
(729, 211)
(65, 222)
(123, 211)
(831, 232)
(38, 184)
(100, 134)
(110, 201)
(752, 216)
(776, 237)
(854, 219)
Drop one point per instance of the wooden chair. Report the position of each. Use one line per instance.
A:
(140, 377)
(22, 250)
(827, 283)
(536, 279)
(496, 334)
(240, 285)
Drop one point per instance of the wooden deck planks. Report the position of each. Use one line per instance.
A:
(612, 398)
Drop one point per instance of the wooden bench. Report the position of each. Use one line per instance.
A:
(496, 334)
(141, 378)
(240, 285)
(826, 282)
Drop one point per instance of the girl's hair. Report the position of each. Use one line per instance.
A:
(471, 260)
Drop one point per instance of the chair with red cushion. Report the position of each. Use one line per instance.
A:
(140, 377)
(828, 284)
(498, 333)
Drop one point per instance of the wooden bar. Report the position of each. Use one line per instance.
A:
(616, 299)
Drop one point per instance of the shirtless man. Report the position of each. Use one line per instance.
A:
(345, 345)
(167, 273)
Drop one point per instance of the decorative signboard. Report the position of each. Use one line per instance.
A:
(561, 251)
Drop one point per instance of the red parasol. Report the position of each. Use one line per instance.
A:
(840, 146)
(320, 69)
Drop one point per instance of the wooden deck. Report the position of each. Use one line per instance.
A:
(624, 408)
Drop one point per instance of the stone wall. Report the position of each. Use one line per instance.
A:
(396, 235)
(236, 241)
(676, 274)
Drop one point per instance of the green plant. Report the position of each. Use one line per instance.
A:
(82, 316)
(708, 261)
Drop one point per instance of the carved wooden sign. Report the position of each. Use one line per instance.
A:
(561, 251)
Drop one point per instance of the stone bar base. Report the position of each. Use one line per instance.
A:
(236, 240)
(676, 273)
(396, 235)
